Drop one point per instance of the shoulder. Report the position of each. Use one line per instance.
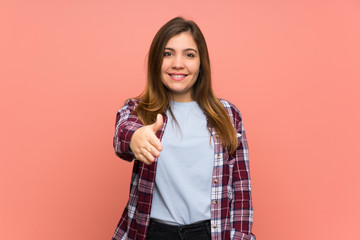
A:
(233, 113)
(232, 110)
(130, 104)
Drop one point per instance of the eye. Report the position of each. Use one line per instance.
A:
(190, 55)
(166, 54)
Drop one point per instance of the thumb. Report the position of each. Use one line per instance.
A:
(156, 126)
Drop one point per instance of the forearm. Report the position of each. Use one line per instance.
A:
(126, 124)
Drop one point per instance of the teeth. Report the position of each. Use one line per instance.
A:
(178, 76)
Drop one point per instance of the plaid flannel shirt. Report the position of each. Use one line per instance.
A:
(231, 205)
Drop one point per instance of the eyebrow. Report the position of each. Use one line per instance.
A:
(185, 50)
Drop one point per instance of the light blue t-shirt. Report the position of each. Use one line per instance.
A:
(182, 193)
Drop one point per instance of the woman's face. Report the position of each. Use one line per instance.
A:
(180, 66)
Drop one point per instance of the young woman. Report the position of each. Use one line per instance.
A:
(191, 175)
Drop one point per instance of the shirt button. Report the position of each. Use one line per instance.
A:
(215, 180)
(218, 156)
(214, 202)
(214, 226)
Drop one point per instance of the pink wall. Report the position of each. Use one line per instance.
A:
(291, 67)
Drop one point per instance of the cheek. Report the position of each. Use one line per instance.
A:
(196, 68)
(164, 66)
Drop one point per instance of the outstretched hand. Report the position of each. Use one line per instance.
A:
(144, 143)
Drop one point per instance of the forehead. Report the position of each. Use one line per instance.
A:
(182, 40)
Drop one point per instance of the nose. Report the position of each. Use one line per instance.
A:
(177, 62)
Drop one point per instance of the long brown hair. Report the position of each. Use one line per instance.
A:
(155, 98)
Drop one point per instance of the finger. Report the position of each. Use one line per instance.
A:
(146, 153)
(154, 141)
(153, 151)
(158, 123)
(144, 159)
(150, 158)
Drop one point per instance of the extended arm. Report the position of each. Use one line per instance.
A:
(133, 140)
(126, 124)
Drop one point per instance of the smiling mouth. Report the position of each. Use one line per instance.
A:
(177, 77)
